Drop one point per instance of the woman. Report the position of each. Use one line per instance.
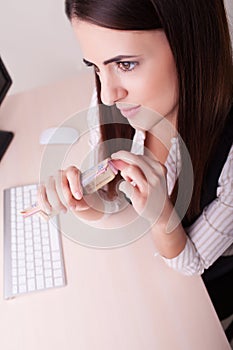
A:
(172, 57)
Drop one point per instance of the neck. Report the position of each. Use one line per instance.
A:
(158, 139)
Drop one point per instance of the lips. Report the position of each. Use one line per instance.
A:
(128, 112)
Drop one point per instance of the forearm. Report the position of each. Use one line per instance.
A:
(196, 256)
(168, 234)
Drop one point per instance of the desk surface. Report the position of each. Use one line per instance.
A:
(115, 299)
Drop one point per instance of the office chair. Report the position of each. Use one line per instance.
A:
(218, 280)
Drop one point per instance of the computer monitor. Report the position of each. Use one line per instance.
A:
(5, 83)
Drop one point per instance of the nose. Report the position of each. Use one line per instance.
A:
(111, 90)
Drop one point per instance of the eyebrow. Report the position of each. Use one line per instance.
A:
(110, 60)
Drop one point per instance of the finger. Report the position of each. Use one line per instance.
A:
(53, 197)
(123, 157)
(154, 170)
(70, 200)
(128, 189)
(51, 204)
(133, 175)
(128, 157)
(73, 177)
(119, 164)
(42, 200)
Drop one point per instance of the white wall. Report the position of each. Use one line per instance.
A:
(229, 8)
(37, 43)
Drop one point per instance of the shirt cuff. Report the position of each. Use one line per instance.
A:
(187, 262)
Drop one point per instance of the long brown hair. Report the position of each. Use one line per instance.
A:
(198, 34)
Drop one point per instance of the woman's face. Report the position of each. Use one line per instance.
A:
(136, 69)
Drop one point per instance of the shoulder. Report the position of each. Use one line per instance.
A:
(225, 183)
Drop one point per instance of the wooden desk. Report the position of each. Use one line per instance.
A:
(118, 299)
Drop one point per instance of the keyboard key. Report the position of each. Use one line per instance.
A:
(56, 264)
(13, 255)
(14, 272)
(28, 243)
(45, 241)
(37, 239)
(58, 282)
(22, 271)
(57, 273)
(20, 240)
(39, 270)
(47, 264)
(29, 257)
(48, 273)
(38, 254)
(46, 256)
(54, 238)
(31, 284)
(21, 255)
(56, 256)
(48, 282)
(40, 282)
(30, 265)
(19, 233)
(36, 232)
(38, 262)
(14, 280)
(29, 250)
(21, 263)
(14, 290)
(18, 191)
(13, 248)
(14, 263)
(22, 288)
(30, 274)
(28, 234)
(37, 246)
(20, 247)
(46, 249)
(22, 280)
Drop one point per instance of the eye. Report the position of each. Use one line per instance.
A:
(126, 66)
(89, 64)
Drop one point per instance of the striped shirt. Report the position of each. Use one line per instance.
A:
(211, 235)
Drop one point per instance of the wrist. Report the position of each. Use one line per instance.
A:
(168, 233)
(168, 220)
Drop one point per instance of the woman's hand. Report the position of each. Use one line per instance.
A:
(62, 191)
(145, 183)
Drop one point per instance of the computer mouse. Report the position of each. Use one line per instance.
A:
(59, 135)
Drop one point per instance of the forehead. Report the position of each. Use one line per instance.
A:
(104, 42)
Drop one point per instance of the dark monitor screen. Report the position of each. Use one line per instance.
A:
(5, 83)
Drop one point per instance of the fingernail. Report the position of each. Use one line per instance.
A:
(78, 195)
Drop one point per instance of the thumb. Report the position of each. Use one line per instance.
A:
(127, 188)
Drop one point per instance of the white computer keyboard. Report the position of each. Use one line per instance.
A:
(33, 257)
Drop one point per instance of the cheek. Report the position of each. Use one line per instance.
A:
(159, 90)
